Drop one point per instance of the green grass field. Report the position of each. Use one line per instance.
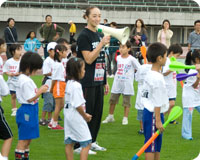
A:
(122, 142)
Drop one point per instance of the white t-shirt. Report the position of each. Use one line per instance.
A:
(190, 95)
(124, 77)
(154, 92)
(170, 80)
(58, 72)
(4, 90)
(48, 68)
(75, 125)
(64, 62)
(26, 89)
(1, 66)
(11, 66)
(140, 76)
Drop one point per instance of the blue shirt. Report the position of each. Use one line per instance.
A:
(194, 40)
(31, 44)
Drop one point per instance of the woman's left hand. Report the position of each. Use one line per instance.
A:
(106, 89)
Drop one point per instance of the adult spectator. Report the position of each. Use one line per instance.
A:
(10, 34)
(50, 32)
(72, 31)
(165, 34)
(138, 37)
(91, 50)
(194, 37)
(105, 22)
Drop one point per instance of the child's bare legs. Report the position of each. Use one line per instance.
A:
(69, 151)
(126, 111)
(171, 105)
(49, 115)
(84, 152)
(44, 115)
(112, 108)
(13, 101)
(110, 117)
(23, 144)
(152, 156)
(58, 107)
(6, 147)
(141, 125)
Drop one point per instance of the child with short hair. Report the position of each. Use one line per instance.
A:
(49, 101)
(154, 99)
(11, 68)
(58, 85)
(174, 50)
(191, 95)
(27, 95)
(123, 82)
(76, 118)
(5, 131)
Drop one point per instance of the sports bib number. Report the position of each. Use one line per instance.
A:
(99, 72)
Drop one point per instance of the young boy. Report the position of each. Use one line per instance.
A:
(49, 101)
(5, 131)
(154, 99)
(174, 50)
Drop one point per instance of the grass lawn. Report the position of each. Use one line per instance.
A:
(122, 142)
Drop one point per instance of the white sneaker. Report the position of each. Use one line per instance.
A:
(78, 151)
(96, 147)
(198, 157)
(14, 111)
(109, 119)
(112, 76)
(125, 121)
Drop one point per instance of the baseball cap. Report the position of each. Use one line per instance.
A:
(51, 45)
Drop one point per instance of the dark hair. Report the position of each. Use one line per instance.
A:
(59, 48)
(197, 21)
(73, 47)
(128, 45)
(155, 50)
(30, 61)
(73, 69)
(29, 34)
(62, 41)
(87, 11)
(10, 19)
(175, 48)
(48, 16)
(113, 23)
(2, 41)
(14, 47)
(106, 20)
(191, 56)
(142, 22)
(166, 20)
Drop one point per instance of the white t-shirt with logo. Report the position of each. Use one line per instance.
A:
(124, 77)
(140, 77)
(75, 125)
(11, 66)
(4, 90)
(190, 95)
(154, 92)
(58, 72)
(1, 66)
(170, 80)
(26, 89)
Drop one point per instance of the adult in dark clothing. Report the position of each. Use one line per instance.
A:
(10, 34)
(50, 32)
(91, 49)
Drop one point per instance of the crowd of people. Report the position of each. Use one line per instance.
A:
(75, 81)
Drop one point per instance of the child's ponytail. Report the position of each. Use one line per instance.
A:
(59, 48)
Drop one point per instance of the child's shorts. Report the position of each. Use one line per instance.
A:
(27, 121)
(149, 125)
(82, 144)
(59, 89)
(139, 115)
(114, 99)
(49, 102)
(5, 131)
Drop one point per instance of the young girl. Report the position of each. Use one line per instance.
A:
(32, 43)
(11, 68)
(58, 85)
(27, 96)
(123, 82)
(191, 95)
(76, 128)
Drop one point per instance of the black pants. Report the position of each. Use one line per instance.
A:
(46, 54)
(8, 54)
(94, 106)
(72, 40)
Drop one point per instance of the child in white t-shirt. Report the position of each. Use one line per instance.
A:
(11, 68)
(58, 85)
(123, 82)
(75, 117)
(154, 99)
(191, 95)
(174, 50)
(49, 101)
(27, 95)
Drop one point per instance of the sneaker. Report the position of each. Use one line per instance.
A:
(109, 119)
(78, 151)
(173, 122)
(187, 138)
(125, 121)
(14, 112)
(43, 122)
(49, 125)
(198, 157)
(96, 147)
(58, 127)
(141, 131)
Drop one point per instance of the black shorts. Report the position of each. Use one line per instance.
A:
(5, 131)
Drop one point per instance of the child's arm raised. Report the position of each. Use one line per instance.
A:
(159, 125)
(86, 116)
